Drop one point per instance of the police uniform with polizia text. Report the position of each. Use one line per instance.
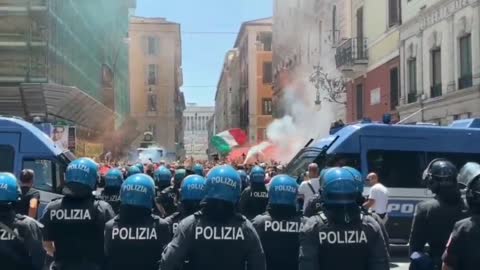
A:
(74, 224)
(341, 230)
(111, 192)
(20, 236)
(192, 193)
(216, 237)
(135, 238)
(280, 226)
(254, 198)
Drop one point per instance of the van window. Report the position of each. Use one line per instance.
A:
(342, 159)
(459, 159)
(397, 169)
(44, 173)
(7, 156)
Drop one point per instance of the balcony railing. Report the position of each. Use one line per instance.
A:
(436, 90)
(412, 97)
(465, 81)
(351, 51)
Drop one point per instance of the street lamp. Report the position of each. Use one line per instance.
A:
(316, 79)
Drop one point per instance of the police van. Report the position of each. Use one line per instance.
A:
(24, 146)
(399, 154)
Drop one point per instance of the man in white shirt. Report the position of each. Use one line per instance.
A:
(310, 187)
(378, 197)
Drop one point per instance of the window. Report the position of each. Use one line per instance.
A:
(152, 101)
(267, 72)
(359, 101)
(390, 167)
(44, 173)
(394, 88)
(266, 39)
(412, 80)
(393, 12)
(152, 45)
(465, 79)
(267, 106)
(459, 159)
(436, 89)
(152, 74)
(7, 157)
(334, 24)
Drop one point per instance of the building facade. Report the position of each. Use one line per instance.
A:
(254, 45)
(66, 61)
(156, 101)
(196, 119)
(440, 60)
(323, 26)
(369, 58)
(227, 96)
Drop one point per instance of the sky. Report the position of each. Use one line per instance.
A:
(204, 53)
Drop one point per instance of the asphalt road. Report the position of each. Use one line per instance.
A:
(399, 260)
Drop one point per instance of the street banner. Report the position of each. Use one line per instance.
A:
(60, 136)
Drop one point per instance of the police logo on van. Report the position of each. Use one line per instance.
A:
(401, 208)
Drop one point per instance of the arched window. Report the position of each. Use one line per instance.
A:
(334, 24)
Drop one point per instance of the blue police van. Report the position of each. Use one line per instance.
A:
(24, 146)
(399, 154)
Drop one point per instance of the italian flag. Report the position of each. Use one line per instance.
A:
(226, 140)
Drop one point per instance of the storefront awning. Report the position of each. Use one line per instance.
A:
(65, 102)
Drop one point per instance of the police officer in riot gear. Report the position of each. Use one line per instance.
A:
(20, 236)
(463, 248)
(192, 192)
(140, 167)
(254, 198)
(135, 238)
(168, 197)
(280, 226)
(314, 204)
(163, 178)
(244, 178)
(198, 169)
(341, 229)
(74, 224)
(111, 192)
(133, 170)
(434, 218)
(215, 229)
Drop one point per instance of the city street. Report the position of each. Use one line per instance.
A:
(399, 259)
(269, 109)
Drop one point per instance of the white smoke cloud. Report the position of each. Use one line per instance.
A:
(305, 120)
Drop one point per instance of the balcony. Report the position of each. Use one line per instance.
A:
(465, 81)
(436, 90)
(412, 97)
(351, 56)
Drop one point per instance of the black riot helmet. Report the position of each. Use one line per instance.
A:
(469, 177)
(440, 174)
